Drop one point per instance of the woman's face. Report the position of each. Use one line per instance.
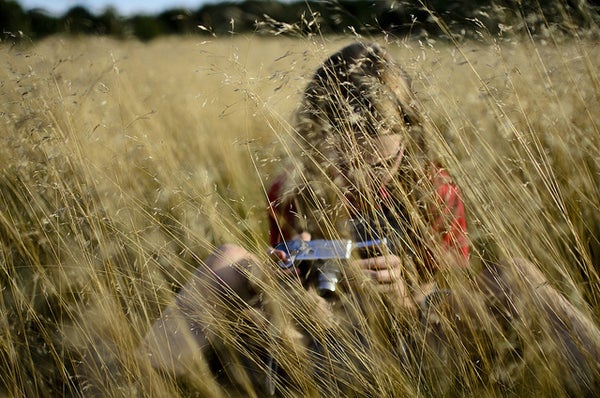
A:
(371, 162)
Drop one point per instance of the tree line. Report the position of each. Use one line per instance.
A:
(398, 17)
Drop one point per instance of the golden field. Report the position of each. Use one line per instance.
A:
(124, 164)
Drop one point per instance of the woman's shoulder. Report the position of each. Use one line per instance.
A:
(281, 187)
(276, 185)
(440, 176)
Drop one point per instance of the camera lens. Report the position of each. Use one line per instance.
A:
(328, 275)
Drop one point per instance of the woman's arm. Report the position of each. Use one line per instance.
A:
(281, 213)
(449, 221)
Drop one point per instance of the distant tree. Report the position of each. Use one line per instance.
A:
(146, 27)
(178, 21)
(220, 17)
(78, 20)
(110, 23)
(14, 23)
(43, 24)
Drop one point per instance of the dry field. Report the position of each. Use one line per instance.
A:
(124, 164)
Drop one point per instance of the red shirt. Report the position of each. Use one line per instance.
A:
(448, 217)
(450, 222)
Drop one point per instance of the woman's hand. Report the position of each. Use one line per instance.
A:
(383, 270)
(280, 256)
(386, 272)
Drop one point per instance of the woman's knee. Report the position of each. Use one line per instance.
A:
(510, 276)
(226, 255)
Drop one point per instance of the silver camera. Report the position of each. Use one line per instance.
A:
(319, 260)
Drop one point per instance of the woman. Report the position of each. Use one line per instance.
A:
(365, 159)
(364, 173)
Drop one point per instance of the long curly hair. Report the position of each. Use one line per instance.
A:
(359, 90)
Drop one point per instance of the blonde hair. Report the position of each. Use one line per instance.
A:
(358, 90)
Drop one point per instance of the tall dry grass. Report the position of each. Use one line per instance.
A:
(125, 164)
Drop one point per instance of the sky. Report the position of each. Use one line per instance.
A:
(123, 7)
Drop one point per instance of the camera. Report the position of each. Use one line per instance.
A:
(319, 260)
